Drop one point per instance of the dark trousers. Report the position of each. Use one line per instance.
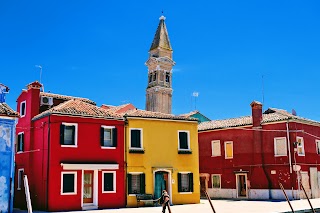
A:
(164, 206)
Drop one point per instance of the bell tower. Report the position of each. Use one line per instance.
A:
(160, 63)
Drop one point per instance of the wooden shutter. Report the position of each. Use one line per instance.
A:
(73, 135)
(183, 139)
(101, 136)
(22, 142)
(114, 137)
(179, 183)
(129, 177)
(61, 134)
(142, 184)
(191, 182)
(135, 138)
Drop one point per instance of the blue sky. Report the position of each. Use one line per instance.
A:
(97, 49)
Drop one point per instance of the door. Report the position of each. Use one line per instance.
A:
(314, 182)
(88, 187)
(161, 183)
(306, 185)
(241, 185)
(203, 186)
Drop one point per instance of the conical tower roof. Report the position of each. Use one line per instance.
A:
(161, 38)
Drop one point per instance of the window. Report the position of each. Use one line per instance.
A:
(300, 146)
(280, 146)
(68, 134)
(108, 136)
(154, 76)
(20, 179)
(20, 142)
(228, 146)
(136, 183)
(184, 140)
(167, 77)
(216, 181)
(23, 109)
(215, 147)
(109, 182)
(318, 147)
(150, 78)
(135, 139)
(185, 182)
(68, 183)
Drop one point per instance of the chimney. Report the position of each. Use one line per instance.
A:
(34, 85)
(256, 107)
(33, 100)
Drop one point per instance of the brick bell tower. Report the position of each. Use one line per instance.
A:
(160, 63)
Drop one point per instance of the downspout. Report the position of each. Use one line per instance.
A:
(48, 163)
(289, 148)
(125, 160)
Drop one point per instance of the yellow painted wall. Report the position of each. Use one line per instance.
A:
(160, 142)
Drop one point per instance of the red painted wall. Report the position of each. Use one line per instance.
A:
(260, 177)
(43, 154)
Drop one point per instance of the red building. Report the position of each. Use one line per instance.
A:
(247, 157)
(71, 151)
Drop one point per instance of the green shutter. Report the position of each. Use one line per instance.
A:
(191, 182)
(114, 137)
(22, 142)
(142, 184)
(179, 182)
(62, 134)
(73, 135)
(101, 136)
(183, 139)
(135, 138)
(139, 138)
(129, 180)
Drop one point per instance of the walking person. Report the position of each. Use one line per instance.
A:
(165, 198)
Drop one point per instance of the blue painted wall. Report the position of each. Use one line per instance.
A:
(201, 118)
(7, 149)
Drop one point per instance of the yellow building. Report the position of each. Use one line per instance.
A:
(162, 153)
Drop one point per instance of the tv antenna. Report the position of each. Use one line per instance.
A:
(195, 95)
(40, 67)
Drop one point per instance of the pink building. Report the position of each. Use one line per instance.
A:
(247, 157)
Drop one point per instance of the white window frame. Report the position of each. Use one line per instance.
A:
(141, 139)
(275, 146)
(20, 179)
(109, 127)
(304, 153)
(75, 184)
(20, 133)
(114, 181)
(25, 109)
(225, 149)
(317, 147)
(188, 138)
(212, 181)
(75, 135)
(186, 173)
(134, 173)
(212, 149)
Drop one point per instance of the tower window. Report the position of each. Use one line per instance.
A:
(150, 78)
(155, 76)
(167, 78)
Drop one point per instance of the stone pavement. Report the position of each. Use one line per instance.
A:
(221, 206)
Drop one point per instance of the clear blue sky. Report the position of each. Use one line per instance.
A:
(97, 49)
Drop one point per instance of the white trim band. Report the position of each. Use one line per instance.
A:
(67, 166)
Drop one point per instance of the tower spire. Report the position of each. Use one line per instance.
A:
(160, 63)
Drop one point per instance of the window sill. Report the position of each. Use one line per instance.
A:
(186, 193)
(71, 146)
(108, 147)
(184, 152)
(139, 151)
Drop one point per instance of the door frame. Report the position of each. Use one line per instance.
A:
(95, 188)
(237, 183)
(169, 181)
(206, 176)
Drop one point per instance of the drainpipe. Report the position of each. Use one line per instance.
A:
(47, 191)
(289, 148)
(125, 161)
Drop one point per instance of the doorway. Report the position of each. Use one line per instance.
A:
(162, 182)
(88, 187)
(241, 180)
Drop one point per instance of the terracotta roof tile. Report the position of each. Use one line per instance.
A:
(65, 97)
(77, 107)
(157, 115)
(5, 110)
(270, 115)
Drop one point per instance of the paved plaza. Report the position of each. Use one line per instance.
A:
(221, 206)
